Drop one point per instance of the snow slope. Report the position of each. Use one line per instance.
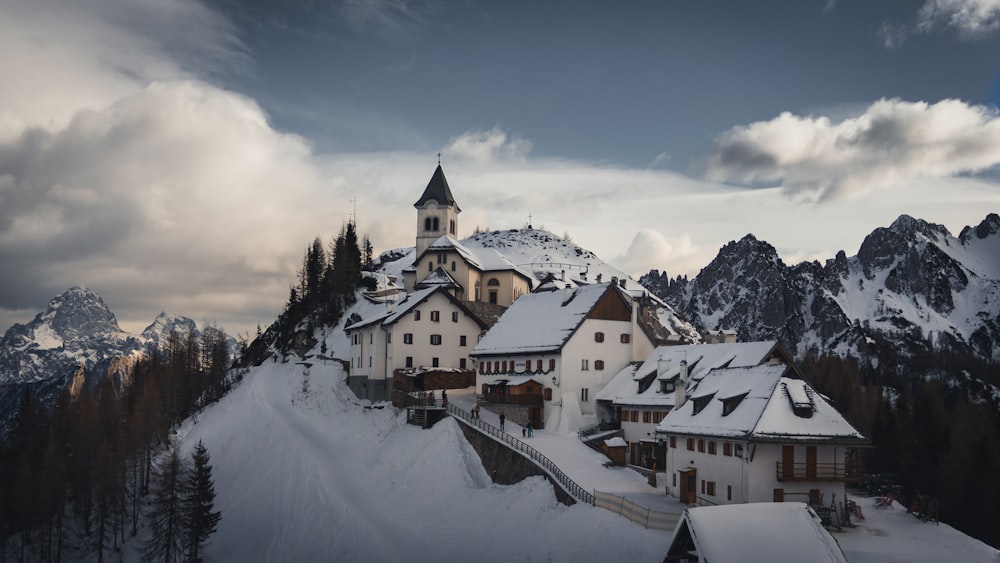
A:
(305, 472)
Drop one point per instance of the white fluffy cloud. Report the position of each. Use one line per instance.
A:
(487, 146)
(970, 17)
(651, 249)
(892, 141)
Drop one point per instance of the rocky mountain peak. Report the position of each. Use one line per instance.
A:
(988, 227)
(77, 313)
(159, 331)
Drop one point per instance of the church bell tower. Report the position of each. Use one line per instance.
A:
(437, 212)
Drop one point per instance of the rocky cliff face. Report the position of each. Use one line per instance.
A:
(911, 281)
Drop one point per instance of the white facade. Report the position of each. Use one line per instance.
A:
(428, 330)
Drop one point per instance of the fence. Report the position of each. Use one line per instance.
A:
(639, 514)
(574, 490)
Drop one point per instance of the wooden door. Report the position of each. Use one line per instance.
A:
(811, 462)
(689, 486)
(787, 462)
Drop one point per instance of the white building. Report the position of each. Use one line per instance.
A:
(429, 329)
(755, 434)
(558, 348)
(753, 533)
(641, 394)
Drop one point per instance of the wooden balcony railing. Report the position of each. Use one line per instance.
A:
(509, 399)
(811, 472)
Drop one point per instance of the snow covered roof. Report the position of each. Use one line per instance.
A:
(760, 403)
(623, 389)
(412, 301)
(756, 532)
(483, 259)
(540, 322)
(438, 277)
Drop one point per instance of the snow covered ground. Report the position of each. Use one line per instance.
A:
(306, 472)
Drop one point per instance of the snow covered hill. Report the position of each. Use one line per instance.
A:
(306, 472)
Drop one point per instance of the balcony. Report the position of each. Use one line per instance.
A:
(811, 472)
(526, 399)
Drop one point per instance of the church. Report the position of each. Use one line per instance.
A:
(454, 293)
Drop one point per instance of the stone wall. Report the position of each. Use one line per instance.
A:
(505, 465)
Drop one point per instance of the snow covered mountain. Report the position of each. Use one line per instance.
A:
(911, 285)
(74, 343)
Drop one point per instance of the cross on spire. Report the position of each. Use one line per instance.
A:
(439, 159)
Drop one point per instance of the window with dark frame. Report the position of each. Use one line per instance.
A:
(454, 316)
(416, 315)
(626, 338)
(673, 441)
(407, 338)
(462, 340)
(701, 445)
(435, 340)
(598, 365)
(711, 448)
(435, 316)
(727, 449)
(598, 337)
(690, 444)
(409, 361)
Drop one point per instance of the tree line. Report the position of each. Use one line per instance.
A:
(81, 478)
(325, 288)
(932, 428)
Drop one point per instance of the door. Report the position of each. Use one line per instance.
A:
(689, 486)
(535, 416)
(811, 463)
(787, 463)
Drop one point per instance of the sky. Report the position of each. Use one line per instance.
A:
(180, 155)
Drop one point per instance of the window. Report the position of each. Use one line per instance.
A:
(407, 338)
(729, 492)
(690, 444)
(462, 340)
(584, 394)
(552, 364)
(416, 315)
(645, 416)
(657, 417)
(711, 448)
(739, 451)
(454, 316)
(702, 486)
(435, 340)
(626, 338)
(369, 361)
(436, 224)
(635, 416)
(727, 449)
(452, 265)
(701, 445)
(584, 365)
(673, 441)
(435, 316)
(598, 364)
(598, 337)
(371, 337)
(538, 365)
(451, 226)
(461, 363)
(710, 488)
(434, 362)
(666, 386)
(441, 258)
(493, 282)
(430, 266)
(427, 224)
(675, 479)
(548, 393)
(409, 361)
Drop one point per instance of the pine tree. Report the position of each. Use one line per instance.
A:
(200, 521)
(166, 516)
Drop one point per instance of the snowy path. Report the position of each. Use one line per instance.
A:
(581, 464)
(317, 477)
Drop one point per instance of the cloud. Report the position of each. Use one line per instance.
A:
(971, 18)
(389, 19)
(651, 249)
(487, 146)
(892, 141)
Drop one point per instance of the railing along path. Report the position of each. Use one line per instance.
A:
(570, 486)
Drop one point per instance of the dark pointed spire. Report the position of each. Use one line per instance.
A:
(438, 190)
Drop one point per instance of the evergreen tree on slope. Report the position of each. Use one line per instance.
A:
(200, 521)
(166, 513)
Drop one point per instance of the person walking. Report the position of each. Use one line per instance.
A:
(529, 430)
(502, 418)
(444, 397)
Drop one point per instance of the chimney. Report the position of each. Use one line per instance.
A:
(681, 388)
